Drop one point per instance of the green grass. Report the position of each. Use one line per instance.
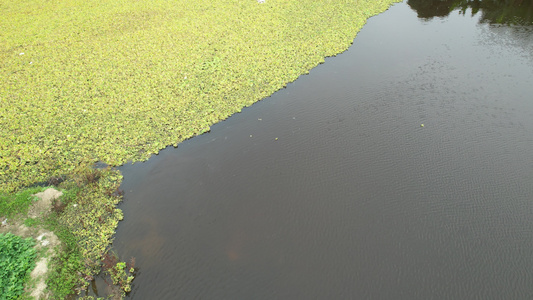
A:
(64, 277)
(18, 203)
(115, 80)
(17, 259)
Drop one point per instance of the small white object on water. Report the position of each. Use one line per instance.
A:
(250, 135)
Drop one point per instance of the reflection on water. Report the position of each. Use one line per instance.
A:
(492, 11)
(332, 189)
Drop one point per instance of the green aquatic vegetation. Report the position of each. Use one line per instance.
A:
(17, 259)
(85, 223)
(120, 273)
(117, 81)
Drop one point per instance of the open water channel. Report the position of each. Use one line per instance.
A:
(332, 189)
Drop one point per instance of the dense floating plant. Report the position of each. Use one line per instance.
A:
(114, 81)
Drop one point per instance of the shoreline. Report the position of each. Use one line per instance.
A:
(112, 87)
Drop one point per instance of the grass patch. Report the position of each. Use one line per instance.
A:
(64, 277)
(31, 222)
(112, 81)
(17, 259)
(18, 203)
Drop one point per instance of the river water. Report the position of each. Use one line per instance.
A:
(332, 189)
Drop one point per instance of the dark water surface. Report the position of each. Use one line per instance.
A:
(332, 189)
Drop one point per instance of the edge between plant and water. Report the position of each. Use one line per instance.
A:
(116, 82)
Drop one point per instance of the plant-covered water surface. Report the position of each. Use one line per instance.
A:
(112, 80)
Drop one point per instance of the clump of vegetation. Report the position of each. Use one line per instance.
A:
(120, 273)
(17, 259)
(84, 219)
